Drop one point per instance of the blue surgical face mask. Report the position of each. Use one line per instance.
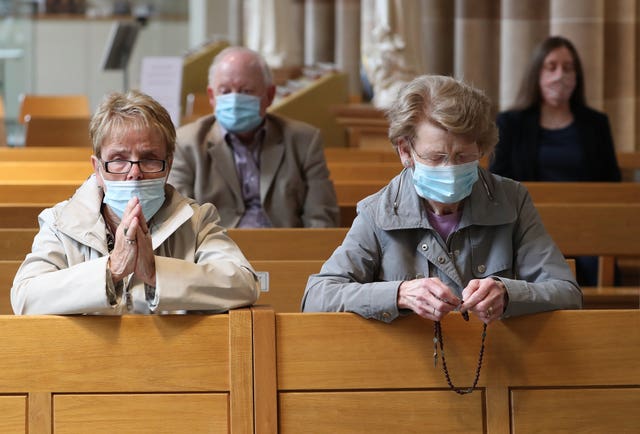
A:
(150, 192)
(238, 112)
(446, 184)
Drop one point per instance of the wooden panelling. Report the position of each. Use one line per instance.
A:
(613, 410)
(13, 409)
(169, 413)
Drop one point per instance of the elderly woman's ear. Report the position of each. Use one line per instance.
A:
(404, 152)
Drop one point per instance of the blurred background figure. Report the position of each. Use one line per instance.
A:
(551, 134)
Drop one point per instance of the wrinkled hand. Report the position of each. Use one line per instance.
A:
(484, 298)
(428, 297)
(133, 252)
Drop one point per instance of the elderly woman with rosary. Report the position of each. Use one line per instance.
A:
(444, 235)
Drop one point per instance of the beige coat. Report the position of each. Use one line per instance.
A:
(198, 267)
(295, 189)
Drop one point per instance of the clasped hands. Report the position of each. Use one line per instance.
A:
(133, 251)
(432, 299)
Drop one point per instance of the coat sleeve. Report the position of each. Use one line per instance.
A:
(220, 278)
(320, 207)
(56, 280)
(543, 279)
(347, 281)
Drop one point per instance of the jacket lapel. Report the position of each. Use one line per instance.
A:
(224, 169)
(271, 157)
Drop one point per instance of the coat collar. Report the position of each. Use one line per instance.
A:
(80, 217)
(398, 206)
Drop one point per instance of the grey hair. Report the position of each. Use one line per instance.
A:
(447, 103)
(262, 63)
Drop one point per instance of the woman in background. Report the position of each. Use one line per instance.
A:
(551, 134)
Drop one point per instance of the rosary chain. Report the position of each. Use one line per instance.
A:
(437, 330)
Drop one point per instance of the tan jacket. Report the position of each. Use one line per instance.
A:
(198, 267)
(295, 189)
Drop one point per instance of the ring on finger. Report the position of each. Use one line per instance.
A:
(130, 241)
(489, 312)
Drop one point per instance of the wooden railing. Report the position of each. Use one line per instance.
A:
(190, 373)
(567, 371)
(253, 370)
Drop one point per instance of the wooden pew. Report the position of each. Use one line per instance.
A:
(135, 373)
(360, 155)
(349, 192)
(46, 153)
(52, 131)
(50, 192)
(366, 125)
(288, 279)
(577, 229)
(629, 163)
(59, 106)
(279, 252)
(569, 371)
(20, 215)
(45, 171)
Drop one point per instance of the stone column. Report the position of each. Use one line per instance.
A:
(236, 22)
(318, 31)
(274, 28)
(524, 24)
(582, 22)
(477, 44)
(620, 84)
(347, 43)
(437, 36)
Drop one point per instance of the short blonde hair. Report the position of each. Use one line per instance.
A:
(447, 103)
(135, 110)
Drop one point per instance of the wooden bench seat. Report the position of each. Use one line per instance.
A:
(133, 373)
(570, 371)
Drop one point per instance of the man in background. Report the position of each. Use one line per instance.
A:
(258, 169)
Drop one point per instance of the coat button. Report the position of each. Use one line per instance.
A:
(386, 315)
(424, 247)
(481, 268)
(441, 259)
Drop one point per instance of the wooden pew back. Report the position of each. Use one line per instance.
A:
(381, 378)
(288, 279)
(60, 106)
(190, 373)
(51, 131)
(46, 153)
(44, 171)
(577, 229)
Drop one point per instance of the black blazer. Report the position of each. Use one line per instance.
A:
(516, 154)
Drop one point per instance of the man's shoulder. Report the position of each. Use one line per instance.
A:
(289, 125)
(196, 131)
